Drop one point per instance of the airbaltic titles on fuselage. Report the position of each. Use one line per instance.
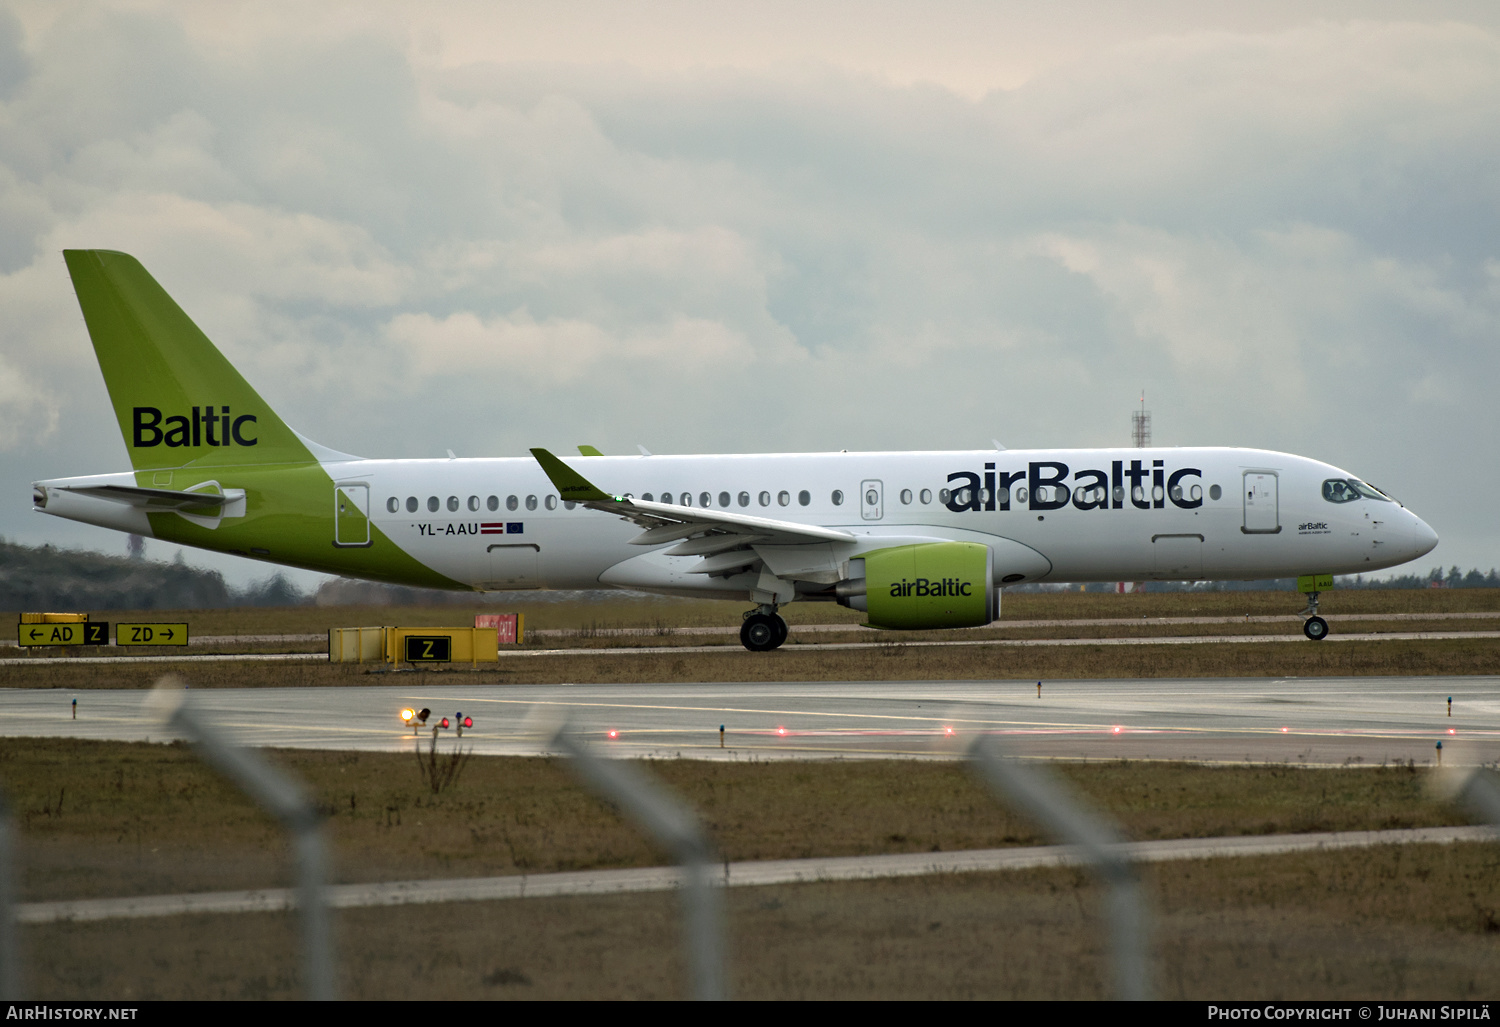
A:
(1047, 487)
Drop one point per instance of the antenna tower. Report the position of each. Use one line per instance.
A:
(1140, 425)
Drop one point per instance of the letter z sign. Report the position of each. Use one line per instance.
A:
(429, 649)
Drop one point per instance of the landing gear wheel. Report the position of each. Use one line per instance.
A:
(1316, 628)
(762, 632)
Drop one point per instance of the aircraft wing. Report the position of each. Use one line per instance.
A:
(722, 538)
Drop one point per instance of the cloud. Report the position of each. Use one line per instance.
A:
(1287, 235)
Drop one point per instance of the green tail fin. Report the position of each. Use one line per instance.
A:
(178, 401)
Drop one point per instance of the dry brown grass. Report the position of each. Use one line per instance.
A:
(1395, 923)
(891, 660)
(106, 818)
(115, 818)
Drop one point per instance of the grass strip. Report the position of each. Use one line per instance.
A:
(101, 819)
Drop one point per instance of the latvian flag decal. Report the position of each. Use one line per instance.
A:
(497, 528)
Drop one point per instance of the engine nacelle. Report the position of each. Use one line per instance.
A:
(927, 585)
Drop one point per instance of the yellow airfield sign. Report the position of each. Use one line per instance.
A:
(151, 634)
(72, 633)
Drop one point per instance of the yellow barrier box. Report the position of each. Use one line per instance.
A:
(413, 645)
(356, 645)
(441, 645)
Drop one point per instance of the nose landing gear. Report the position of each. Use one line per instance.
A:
(763, 630)
(1315, 627)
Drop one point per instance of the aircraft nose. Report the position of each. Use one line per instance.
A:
(1424, 539)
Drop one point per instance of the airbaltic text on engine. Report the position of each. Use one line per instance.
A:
(924, 587)
(1047, 486)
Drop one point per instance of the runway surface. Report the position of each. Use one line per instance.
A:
(1312, 721)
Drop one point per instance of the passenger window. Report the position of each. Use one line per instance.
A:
(511, 502)
(1196, 493)
(724, 500)
(433, 504)
(551, 502)
(646, 496)
(744, 498)
(1156, 494)
(984, 496)
(568, 504)
(804, 497)
(1176, 493)
(906, 497)
(1120, 493)
(687, 499)
(1022, 495)
(765, 499)
(1137, 494)
(393, 504)
(1214, 492)
(944, 495)
(926, 496)
(411, 504)
(473, 502)
(1002, 496)
(453, 503)
(705, 500)
(837, 497)
(492, 503)
(784, 498)
(531, 502)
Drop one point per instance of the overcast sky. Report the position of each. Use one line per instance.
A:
(746, 227)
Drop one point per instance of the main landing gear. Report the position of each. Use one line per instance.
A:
(763, 630)
(1315, 627)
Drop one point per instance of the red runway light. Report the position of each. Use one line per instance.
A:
(781, 731)
(1283, 730)
(947, 731)
(468, 722)
(1451, 731)
(613, 733)
(1117, 729)
(444, 722)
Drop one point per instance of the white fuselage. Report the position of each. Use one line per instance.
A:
(1128, 514)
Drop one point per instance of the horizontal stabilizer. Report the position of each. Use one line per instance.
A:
(155, 499)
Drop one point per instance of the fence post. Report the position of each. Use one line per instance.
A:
(1476, 788)
(10, 952)
(285, 801)
(1048, 801)
(674, 827)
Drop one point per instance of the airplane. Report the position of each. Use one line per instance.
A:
(914, 540)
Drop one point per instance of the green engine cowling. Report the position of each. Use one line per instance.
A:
(927, 585)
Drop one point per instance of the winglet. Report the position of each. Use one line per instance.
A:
(589, 451)
(570, 484)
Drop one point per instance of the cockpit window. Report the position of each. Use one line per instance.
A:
(1347, 490)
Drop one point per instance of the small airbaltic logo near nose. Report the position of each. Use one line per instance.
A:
(1313, 528)
(204, 427)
